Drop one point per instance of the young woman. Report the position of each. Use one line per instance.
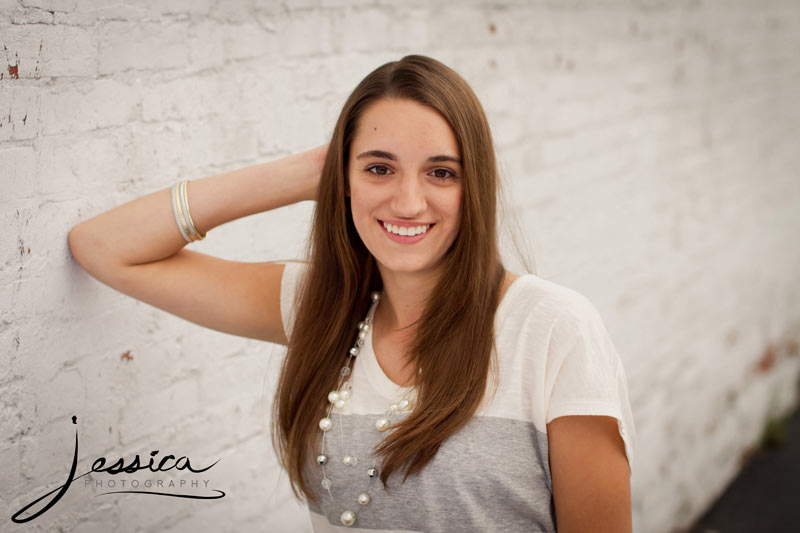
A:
(425, 388)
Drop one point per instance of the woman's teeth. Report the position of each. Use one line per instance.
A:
(406, 231)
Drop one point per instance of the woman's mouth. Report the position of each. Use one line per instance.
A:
(405, 234)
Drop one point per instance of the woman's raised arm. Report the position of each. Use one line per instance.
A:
(137, 248)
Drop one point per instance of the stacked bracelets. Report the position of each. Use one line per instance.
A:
(180, 208)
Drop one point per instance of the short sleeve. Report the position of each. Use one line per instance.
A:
(588, 378)
(292, 276)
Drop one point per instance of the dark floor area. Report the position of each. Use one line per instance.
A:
(765, 497)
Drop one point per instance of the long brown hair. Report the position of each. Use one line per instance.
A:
(455, 335)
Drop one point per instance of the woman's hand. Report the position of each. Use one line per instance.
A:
(307, 167)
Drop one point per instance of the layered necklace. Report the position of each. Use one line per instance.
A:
(338, 400)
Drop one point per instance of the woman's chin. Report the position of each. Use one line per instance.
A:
(405, 267)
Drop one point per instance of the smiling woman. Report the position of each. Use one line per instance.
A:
(412, 197)
(420, 375)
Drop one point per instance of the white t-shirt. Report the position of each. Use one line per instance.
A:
(555, 358)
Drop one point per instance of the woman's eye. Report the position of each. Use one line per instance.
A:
(378, 170)
(443, 173)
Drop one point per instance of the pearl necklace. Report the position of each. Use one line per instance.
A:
(338, 399)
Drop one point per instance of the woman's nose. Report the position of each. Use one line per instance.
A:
(409, 198)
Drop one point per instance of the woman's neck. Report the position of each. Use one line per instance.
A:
(403, 299)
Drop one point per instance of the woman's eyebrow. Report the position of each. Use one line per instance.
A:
(440, 158)
(390, 156)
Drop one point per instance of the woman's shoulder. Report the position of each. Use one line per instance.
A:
(535, 287)
(537, 298)
(293, 273)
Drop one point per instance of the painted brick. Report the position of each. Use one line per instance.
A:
(21, 50)
(237, 12)
(181, 7)
(176, 403)
(148, 515)
(180, 99)
(363, 30)
(205, 44)
(229, 373)
(252, 40)
(31, 16)
(474, 23)
(63, 161)
(19, 173)
(344, 3)
(46, 454)
(99, 521)
(87, 12)
(305, 34)
(71, 386)
(50, 5)
(123, 46)
(88, 105)
(10, 458)
(649, 150)
(157, 152)
(19, 113)
(68, 51)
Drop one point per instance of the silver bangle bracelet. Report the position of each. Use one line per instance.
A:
(193, 233)
(180, 209)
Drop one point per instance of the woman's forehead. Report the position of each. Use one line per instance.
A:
(404, 127)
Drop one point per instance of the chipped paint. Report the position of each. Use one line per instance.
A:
(767, 360)
(792, 347)
(13, 70)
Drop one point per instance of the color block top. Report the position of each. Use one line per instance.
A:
(555, 359)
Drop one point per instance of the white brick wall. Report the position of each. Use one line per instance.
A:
(650, 151)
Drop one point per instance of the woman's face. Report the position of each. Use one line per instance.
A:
(404, 176)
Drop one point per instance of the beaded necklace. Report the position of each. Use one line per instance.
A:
(338, 399)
